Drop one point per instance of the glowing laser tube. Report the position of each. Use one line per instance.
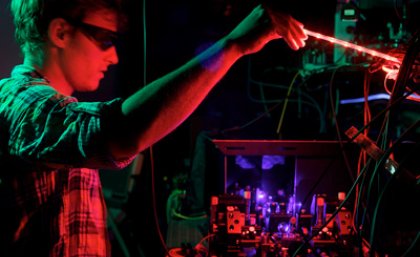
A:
(353, 46)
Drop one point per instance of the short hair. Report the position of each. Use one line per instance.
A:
(32, 17)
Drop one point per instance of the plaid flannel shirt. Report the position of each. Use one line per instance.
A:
(51, 148)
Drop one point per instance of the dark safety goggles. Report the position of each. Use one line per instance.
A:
(102, 37)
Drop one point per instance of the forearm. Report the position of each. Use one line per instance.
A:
(158, 108)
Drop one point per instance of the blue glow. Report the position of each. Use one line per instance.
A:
(381, 96)
(244, 163)
(268, 161)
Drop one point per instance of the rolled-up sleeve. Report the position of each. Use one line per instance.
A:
(58, 131)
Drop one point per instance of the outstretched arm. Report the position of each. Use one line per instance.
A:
(158, 108)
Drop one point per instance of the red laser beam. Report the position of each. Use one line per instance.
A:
(353, 46)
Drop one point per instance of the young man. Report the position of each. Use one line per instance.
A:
(51, 145)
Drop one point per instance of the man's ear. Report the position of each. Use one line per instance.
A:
(58, 31)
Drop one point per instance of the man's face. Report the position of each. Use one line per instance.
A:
(90, 50)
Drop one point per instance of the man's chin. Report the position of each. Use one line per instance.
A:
(88, 89)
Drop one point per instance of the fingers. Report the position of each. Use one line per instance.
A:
(295, 37)
(289, 29)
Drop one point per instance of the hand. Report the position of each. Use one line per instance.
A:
(263, 25)
(253, 32)
(288, 28)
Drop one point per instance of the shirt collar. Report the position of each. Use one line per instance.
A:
(24, 70)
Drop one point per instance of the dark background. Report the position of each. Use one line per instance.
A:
(246, 104)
